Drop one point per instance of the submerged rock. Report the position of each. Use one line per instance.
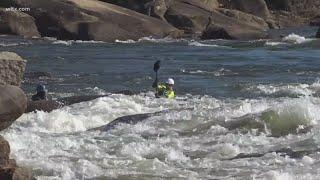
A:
(94, 20)
(50, 105)
(12, 67)
(17, 23)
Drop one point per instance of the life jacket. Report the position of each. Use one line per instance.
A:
(162, 90)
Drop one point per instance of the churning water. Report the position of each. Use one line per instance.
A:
(245, 109)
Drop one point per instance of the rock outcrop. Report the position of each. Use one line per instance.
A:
(233, 24)
(191, 19)
(208, 5)
(141, 6)
(292, 13)
(94, 20)
(8, 167)
(219, 23)
(17, 23)
(12, 67)
(13, 103)
(255, 7)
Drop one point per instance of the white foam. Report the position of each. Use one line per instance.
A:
(219, 72)
(195, 43)
(307, 160)
(296, 39)
(270, 43)
(13, 44)
(51, 144)
(129, 41)
(275, 175)
(158, 40)
(70, 42)
(290, 89)
(67, 43)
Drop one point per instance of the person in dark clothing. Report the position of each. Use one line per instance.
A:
(41, 93)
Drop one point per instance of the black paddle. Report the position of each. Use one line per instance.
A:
(156, 68)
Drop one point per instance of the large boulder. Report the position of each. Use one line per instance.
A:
(189, 18)
(158, 8)
(296, 6)
(12, 67)
(13, 103)
(233, 24)
(94, 20)
(17, 23)
(256, 7)
(208, 5)
(220, 23)
(140, 6)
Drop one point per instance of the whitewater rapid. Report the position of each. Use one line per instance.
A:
(235, 99)
(187, 144)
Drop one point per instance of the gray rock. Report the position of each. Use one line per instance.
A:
(220, 23)
(256, 7)
(191, 19)
(233, 24)
(12, 67)
(94, 20)
(141, 6)
(4, 152)
(315, 21)
(208, 5)
(18, 23)
(13, 103)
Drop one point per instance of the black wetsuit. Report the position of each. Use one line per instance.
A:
(39, 96)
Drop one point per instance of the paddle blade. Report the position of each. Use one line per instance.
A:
(156, 66)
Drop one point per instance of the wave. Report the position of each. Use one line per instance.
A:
(288, 117)
(159, 145)
(283, 90)
(296, 39)
(269, 43)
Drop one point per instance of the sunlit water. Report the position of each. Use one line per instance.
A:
(271, 81)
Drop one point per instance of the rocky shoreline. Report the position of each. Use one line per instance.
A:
(13, 103)
(110, 20)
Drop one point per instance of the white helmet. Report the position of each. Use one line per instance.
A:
(170, 81)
